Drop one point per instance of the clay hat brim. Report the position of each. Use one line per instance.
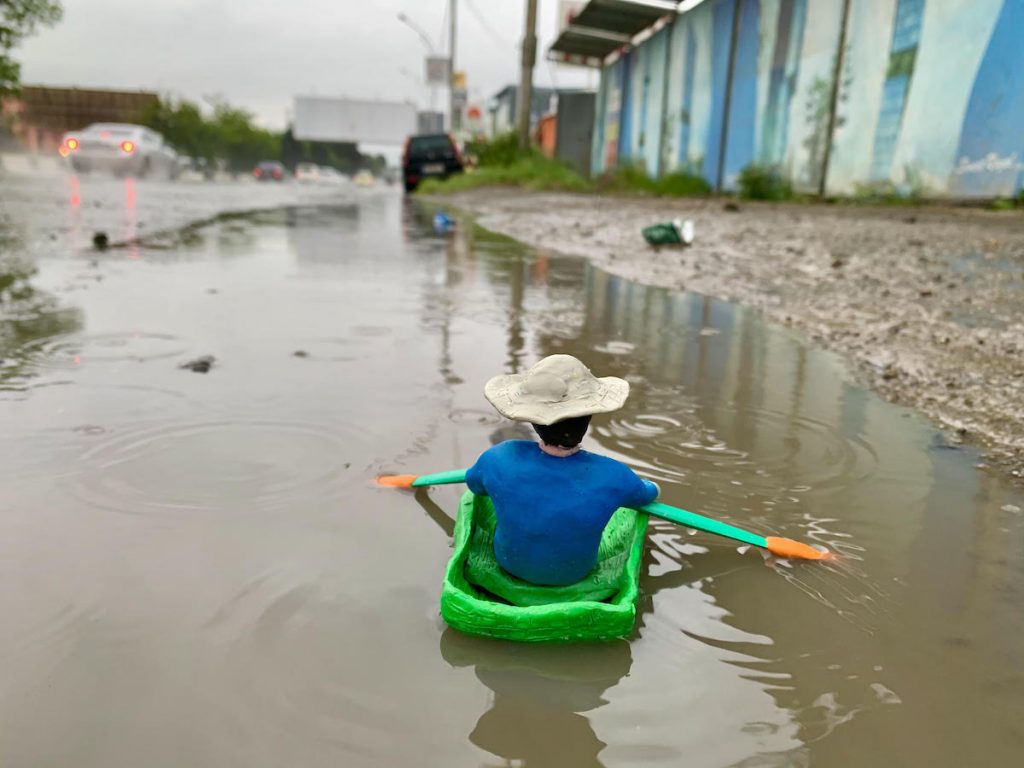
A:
(609, 393)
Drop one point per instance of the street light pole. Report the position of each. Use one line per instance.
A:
(526, 76)
(418, 30)
(430, 49)
(451, 65)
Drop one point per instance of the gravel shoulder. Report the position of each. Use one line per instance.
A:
(925, 301)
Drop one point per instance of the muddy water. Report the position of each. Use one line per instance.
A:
(196, 569)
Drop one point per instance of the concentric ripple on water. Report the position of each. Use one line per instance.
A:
(76, 349)
(215, 466)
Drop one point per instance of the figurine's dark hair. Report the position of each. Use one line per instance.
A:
(566, 433)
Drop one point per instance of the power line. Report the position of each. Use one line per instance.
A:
(485, 25)
(443, 36)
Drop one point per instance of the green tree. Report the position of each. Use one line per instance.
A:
(242, 144)
(183, 126)
(228, 135)
(18, 20)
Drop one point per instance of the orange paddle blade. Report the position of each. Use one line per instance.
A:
(396, 481)
(789, 548)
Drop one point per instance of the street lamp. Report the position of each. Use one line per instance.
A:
(418, 30)
(430, 49)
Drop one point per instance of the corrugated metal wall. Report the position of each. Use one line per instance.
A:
(930, 100)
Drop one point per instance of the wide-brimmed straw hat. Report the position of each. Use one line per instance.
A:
(558, 387)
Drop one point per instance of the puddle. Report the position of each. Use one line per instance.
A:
(211, 552)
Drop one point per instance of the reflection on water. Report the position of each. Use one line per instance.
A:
(540, 696)
(29, 317)
(201, 565)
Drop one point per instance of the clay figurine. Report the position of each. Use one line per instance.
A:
(552, 500)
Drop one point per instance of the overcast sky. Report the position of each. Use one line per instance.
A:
(260, 53)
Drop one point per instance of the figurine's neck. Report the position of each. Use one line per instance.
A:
(559, 451)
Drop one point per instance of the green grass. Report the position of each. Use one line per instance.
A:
(503, 166)
(885, 193)
(634, 180)
(533, 172)
(763, 182)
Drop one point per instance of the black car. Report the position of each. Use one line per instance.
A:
(429, 155)
(268, 170)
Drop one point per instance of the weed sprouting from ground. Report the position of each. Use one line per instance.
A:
(764, 182)
(633, 179)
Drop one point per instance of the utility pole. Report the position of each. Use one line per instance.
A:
(451, 65)
(526, 77)
(833, 104)
(727, 105)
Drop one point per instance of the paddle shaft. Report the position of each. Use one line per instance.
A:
(664, 511)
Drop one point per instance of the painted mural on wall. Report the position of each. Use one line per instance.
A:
(930, 96)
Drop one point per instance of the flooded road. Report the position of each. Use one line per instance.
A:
(197, 569)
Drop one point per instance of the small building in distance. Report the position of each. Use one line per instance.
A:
(35, 119)
(504, 104)
(561, 121)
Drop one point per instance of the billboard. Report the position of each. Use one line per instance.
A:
(323, 118)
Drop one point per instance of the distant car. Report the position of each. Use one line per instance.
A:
(363, 179)
(329, 175)
(196, 169)
(120, 148)
(268, 170)
(429, 155)
(307, 172)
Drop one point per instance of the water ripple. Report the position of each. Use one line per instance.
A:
(216, 466)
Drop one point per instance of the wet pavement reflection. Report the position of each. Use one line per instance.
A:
(200, 565)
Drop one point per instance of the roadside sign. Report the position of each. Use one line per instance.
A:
(437, 70)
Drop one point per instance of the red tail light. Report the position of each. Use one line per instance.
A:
(72, 143)
(127, 146)
(277, 174)
(257, 172)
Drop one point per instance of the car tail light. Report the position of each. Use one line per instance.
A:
(63, 151)
(127, 146)
(72, 143)
(277, 174)
(257, 172)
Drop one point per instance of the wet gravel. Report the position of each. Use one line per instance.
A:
(925, 301)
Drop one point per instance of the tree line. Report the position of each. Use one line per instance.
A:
(230, 136)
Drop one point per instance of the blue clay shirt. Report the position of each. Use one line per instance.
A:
(551, 511)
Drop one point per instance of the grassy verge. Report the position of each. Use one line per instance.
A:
(538, 173)
(534, 172)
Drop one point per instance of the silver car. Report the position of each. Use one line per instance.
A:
(119, 148)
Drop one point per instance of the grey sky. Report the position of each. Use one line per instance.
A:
(258, 53)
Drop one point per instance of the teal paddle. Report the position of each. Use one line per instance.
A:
(777, 546)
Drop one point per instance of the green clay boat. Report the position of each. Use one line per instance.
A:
(479, 598)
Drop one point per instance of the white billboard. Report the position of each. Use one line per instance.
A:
(323, 118)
